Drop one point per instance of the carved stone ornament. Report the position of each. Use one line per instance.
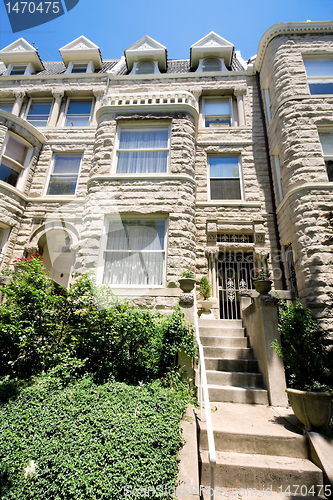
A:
(31, 248)
(186, 298)
(260, 237)
(58, 93)
(268, 300)
(19, 94)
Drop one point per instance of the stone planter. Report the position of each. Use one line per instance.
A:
(186, 284)
(4, 280)
(207, 304)
(263, 286)
(313, 409)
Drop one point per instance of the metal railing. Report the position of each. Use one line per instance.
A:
(204, 401)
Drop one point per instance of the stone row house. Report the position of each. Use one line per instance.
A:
(140, 167)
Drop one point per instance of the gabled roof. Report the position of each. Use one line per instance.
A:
(21, 52)
(81, 49)
(146, 49)
(211, 45)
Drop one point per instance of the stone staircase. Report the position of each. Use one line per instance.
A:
(257, 446)
(232, 371)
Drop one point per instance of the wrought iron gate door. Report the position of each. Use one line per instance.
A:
(235, 272)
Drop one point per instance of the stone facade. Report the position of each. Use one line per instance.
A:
(224, 237)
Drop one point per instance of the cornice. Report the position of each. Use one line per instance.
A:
(229, 203)
(289, 28)
(310, 186)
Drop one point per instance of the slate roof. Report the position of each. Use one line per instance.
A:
(173, 66)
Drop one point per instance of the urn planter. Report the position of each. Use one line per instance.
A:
(207, 304)
(186, 284)
(313, 409)
(263, 286)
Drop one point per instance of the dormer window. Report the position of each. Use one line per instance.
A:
(18, 69)
(79, 68)
(145, 68)
(211, 64)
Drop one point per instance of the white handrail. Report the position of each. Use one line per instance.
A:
(204, 399)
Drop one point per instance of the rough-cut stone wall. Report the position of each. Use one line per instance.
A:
(304, 214)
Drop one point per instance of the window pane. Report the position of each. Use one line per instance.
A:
(147, 139)
(77, 121)
(40, 108)
(6, 106)
(147, 162)
(211, 65)
(217, 107)
(145, 67)
(223, 166)
(79, 108)
(217, 121)
(319, 67)
(62, 185)
(67, 164)
(329, 168)
(326, 140)
(8, 174)
(79, 68)
(321, 88)
(136, 235)
(225, 189)
(16, 150)
(18, 70)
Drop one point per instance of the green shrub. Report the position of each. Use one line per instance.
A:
(90, 441)
(303, 349)
(205, 288)
(84, 329)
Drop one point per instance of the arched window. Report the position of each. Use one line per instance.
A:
(211, 65)
(145, 68)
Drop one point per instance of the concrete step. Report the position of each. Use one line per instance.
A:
(245, 470)
(233, 365)
(228, 352)
(265, 493)
(224, 341)
(220, 323)
(238, 379)
(237, 394)
(209, 331)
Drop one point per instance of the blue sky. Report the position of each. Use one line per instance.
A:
(177, 24)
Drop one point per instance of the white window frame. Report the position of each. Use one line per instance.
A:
(146, 127)
(51, 169)
(4, 240)
(37, 101)
(23, 167)
(69, 99)
(90, 67)
(201, 65)
(326, 157)
(241, 181)
(28, 69)
(101, 262)
(205, 100)
(278, 178)
(318, 79)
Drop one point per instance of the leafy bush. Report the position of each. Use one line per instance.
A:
(205, 288)
(89, 441)
(306, 358)
(84, 329)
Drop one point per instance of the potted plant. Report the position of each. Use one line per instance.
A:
(261, 281)
(307, 365)
(205, 289)
(187, 280)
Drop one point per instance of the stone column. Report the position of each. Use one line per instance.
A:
(58, 95)
(98, 100)
(212, 267)
(239, 93)
(19, 96)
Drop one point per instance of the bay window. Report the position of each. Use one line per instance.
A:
(143, 151)
(224, 176)
(14, 160)
(135, 252)
(64, 175)
(319, 72)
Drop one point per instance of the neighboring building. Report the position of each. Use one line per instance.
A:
(140, 167)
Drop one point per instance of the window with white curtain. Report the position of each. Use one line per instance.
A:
(135, 252)
(143, 151)
(225, 179)
(14, 160)
(326, 139)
